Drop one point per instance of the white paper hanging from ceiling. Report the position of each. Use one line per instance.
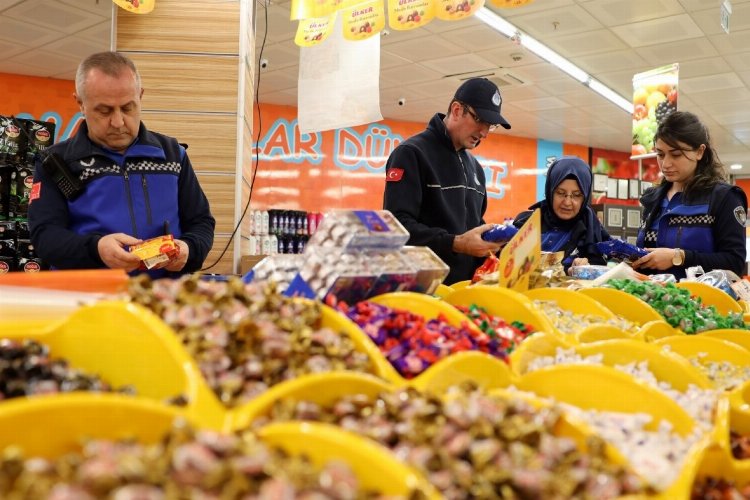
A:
(339, 83)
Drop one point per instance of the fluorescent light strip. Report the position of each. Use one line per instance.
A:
(500, 25)
(610, 94)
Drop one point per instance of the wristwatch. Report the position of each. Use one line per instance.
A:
(678, 258)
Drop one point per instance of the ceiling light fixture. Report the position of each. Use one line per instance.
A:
(500, 25)
(735, 166)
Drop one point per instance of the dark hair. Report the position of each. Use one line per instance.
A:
(109, 63)
(686, 128)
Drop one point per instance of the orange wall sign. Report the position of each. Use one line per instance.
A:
(46, 99)
(345, 168)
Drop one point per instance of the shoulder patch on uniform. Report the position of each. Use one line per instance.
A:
(36, 191)
(394, 174)
(740, 215)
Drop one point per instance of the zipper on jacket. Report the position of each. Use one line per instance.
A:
(466, 182)
(130, 202)
(145, 197)
(679, 236)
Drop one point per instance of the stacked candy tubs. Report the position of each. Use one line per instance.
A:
(222, 389)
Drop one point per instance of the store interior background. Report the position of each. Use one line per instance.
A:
(42, 41)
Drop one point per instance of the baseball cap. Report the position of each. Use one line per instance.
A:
(484, 96)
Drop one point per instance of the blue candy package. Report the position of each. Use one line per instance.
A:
(500, 233)
(620, 250)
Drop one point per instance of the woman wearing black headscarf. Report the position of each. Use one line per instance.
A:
(568, 222)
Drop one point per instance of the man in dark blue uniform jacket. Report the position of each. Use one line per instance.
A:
(436, 188)
(137, 184)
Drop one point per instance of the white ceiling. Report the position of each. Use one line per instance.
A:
(610, 39)
(50, 37)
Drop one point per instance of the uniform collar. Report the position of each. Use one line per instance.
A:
(81, 146)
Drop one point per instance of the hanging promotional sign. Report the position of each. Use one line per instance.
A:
(454, 10)
(136, 6)
(410, 14)
(521, 255)
(311, 32)
(364, 20)
(306, 9)
(654, 98)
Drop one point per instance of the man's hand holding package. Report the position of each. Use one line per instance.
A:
(179, 260)
(471, 242)
(113, 251)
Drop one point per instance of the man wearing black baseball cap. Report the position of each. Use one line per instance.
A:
(436, 188)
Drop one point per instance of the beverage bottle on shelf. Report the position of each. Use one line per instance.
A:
(273, 245)
(258, 222)
(264, 221)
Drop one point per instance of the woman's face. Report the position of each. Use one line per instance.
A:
(567, 199)
(678, 164)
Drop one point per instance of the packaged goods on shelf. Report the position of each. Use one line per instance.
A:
(16, 251)
(12, 140)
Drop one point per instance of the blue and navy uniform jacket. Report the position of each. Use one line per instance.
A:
(437, 193)
(710, 228)
(148, 190)
(576, 237)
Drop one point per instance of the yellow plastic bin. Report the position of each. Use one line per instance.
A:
(604, 388)
(60, 424)
(424, 305)
(712, 296)
(623, 304)
(736, 336)
(480, 368)
(126, 344)
(442, 291)
(666, 366)
(538, 344)
(376, 468)
(320, 388)
(507, 304)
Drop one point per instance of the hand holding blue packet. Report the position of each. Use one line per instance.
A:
(620, 250)
(500, 233)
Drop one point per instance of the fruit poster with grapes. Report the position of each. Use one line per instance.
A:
(654, 98)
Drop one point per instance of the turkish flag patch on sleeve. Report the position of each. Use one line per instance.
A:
(394, 174)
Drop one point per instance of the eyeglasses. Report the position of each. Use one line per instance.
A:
(492, 126)
(576, 196)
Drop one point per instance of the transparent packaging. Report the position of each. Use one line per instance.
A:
(278, 268)
(345, 276)
(430, 269)
(396, 272)
(359, 230)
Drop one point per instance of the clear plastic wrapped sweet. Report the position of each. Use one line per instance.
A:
(587, 272)
(359, 229)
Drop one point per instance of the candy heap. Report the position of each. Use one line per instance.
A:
(474, 445)
(412, 343)
(247, 338)
(26, 369)
(510, 334)
(677, 307)
(184, 464)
